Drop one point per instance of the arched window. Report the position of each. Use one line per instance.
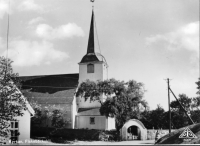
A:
(90, 68)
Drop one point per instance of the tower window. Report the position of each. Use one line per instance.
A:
(90, 68)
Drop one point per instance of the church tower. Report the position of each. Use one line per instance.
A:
(91, 67)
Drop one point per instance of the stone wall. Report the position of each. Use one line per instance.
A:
(151, 133)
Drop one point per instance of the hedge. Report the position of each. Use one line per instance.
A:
(61, 135)
(41, 131)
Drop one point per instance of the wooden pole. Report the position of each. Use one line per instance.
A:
(169, 106)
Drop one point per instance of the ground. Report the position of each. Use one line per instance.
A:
(135, 142)
(173, 137)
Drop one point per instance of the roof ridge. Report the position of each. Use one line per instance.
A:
(49, 75)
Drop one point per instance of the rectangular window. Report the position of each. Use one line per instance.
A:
(90, 68)
(14, 130)
(92, 120)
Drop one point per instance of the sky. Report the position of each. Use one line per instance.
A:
(143, 40)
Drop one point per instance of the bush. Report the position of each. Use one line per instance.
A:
(41, 131)
(84, 134)
(111, 135)
(72, 134)
(61, 135)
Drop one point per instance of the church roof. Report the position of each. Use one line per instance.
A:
(90, 56)
(50, 89)
(89, 111)
(50, 83)
(60, 97)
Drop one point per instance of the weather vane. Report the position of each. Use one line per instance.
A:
(92, 3)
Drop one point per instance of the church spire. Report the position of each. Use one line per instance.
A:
(90, 48)
(90, 55)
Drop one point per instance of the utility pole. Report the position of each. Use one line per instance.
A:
(169, 105)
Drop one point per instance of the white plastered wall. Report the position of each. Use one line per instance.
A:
(24, 126)
(74, 112)
(111, 123)
(84, 122)
(100, 73)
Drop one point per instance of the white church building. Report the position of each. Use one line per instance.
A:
(79, 113)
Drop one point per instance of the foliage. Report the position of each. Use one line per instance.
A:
(157, 118)
(41, 131)
(57, 119)
(12, 102)
(124, 99)
(63, 134)
(191, 105)
(198, 86)
(72, 134)
(47, 115)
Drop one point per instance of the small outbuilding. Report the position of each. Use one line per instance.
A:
(133, 130)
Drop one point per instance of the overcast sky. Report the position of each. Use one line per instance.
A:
(144, 40)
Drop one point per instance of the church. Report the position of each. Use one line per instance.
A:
(59, 90)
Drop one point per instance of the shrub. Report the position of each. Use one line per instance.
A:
(84, 134)
(61, 135)
(41, 131)
(72, 134)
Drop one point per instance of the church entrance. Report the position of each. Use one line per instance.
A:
(133, 133)
(133, 130)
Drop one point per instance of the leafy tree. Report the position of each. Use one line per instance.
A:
(198, 86)
(157, 118)
(191, 105)
(196, 103)
(124, 99)
(185, 101)
(12, 102)
(57, 119)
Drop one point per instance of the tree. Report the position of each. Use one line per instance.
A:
(191, 105)
(157, 118)
(12, 102)
(124, 99)
(57, 119)
(198, 86)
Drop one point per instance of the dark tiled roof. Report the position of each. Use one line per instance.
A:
(52, 89)
(86, 109)
(89, 58)
(50, 83)
(60, 97)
